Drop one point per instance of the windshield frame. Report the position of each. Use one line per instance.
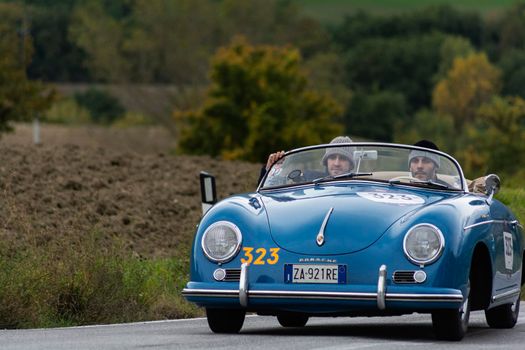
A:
(464, 187)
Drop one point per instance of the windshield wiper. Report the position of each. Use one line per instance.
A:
(349, 175)
(431, 183)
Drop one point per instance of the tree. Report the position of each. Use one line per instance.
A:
(512, 28)
(512, 64)
(402, 64)
(55, 58)
(20, 99)
(496, 141)
(429, 125)
(374, 115)
(470, 82)
(452, 48)
(101, 37)
(443, 18)
(258, 103)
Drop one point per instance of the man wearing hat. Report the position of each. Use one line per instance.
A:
(337, 160)
(422, 164)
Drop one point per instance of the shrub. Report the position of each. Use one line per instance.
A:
(132, 119)
(103, 107)
(67, 111)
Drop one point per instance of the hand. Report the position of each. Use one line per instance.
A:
(272, 158)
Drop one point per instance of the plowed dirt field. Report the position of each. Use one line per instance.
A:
(118, 184)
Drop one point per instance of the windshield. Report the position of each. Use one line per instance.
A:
(393, 164)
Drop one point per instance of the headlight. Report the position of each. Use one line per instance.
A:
(221, 241)
(423, 244)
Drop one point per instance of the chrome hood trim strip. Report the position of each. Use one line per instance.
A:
(320, 235)
(284, 294)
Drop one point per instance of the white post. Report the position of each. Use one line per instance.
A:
(36, 131)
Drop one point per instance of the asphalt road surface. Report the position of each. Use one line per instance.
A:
(403, 332)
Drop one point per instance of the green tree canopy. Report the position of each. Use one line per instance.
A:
(443, 18)
(373, 115)
(402, 64)
(427, 124)
(471, 81)
(20, 98)
(496, 141)
(259, 102)
(171, 41)
(512, 65)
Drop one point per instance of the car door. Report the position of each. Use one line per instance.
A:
(507, 250)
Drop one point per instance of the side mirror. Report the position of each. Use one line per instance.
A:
(208, 192)
(492, 185)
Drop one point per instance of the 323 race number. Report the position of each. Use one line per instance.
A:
(260, 256)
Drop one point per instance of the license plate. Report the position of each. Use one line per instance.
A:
(314, 273)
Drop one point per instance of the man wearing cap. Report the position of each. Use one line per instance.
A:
(337, 160)
(422, 164)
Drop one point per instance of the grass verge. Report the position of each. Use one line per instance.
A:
(87, 281)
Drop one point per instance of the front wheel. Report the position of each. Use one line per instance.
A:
(452, 324)
(292, 320)
(225, 320)
(504, 316)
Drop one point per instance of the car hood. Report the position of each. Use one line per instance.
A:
(360, 215)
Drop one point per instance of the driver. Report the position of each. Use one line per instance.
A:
(337, 160)
(424, 165)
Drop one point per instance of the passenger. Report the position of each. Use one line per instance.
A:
(424, 165)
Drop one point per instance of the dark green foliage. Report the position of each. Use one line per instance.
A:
(103, 107)
(442, 18)
(56, 58)
(402, 64)
(512, 65)
(373, 115)
(20, 99)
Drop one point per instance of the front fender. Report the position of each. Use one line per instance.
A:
(247, 213)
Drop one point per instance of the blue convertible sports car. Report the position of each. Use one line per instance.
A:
(378, 235)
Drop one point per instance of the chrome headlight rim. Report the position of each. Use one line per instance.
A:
(423, 262)
(234, 253)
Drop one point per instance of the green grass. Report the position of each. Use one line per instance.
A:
(333, 11)
(86, 281)
(515, 199)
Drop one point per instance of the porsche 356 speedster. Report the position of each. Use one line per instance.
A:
(376, 238)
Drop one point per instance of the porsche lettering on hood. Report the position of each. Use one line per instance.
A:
(356, 221)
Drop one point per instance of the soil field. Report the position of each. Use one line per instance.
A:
(123, 184)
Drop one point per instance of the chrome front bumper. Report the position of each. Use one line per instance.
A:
(381, 296)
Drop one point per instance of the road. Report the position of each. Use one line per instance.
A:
(403, 332)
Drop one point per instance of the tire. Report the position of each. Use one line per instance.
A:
(292, 320)
(225, 320)
(452, 324)
(504, 316)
